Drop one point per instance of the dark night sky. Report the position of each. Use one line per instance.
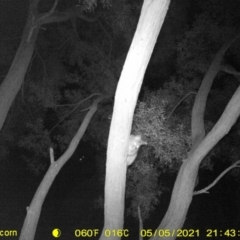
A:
(13, 16)
(70, 200)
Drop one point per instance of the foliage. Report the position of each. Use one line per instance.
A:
(72, 60)
(92, 56)
(143, 189)
(208, 33)
(195, 52)
(92, 4)
(167, 131)
(79, 69)
(163, 116)
(93, 71)
(37, 142)
(5, 140)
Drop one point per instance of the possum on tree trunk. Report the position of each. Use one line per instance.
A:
(135, 142)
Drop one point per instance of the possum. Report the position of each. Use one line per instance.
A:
(135, 142)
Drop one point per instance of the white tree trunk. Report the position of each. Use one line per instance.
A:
(150, 22)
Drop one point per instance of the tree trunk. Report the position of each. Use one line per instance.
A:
(33, 212)
(183, 188)
(15, 77)
(150, 22)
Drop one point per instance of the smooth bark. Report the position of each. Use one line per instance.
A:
(183, 188)
(34, 210)
(16, 74)
(150, 22)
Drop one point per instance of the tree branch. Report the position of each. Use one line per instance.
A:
(77, 105)
(64, 16)
(140, 222)
(51, 155)
(46, 15)
(179, 103)
(229, 69)
(205, 190)
(197, 125)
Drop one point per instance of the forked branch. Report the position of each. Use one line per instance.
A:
(205, 190)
